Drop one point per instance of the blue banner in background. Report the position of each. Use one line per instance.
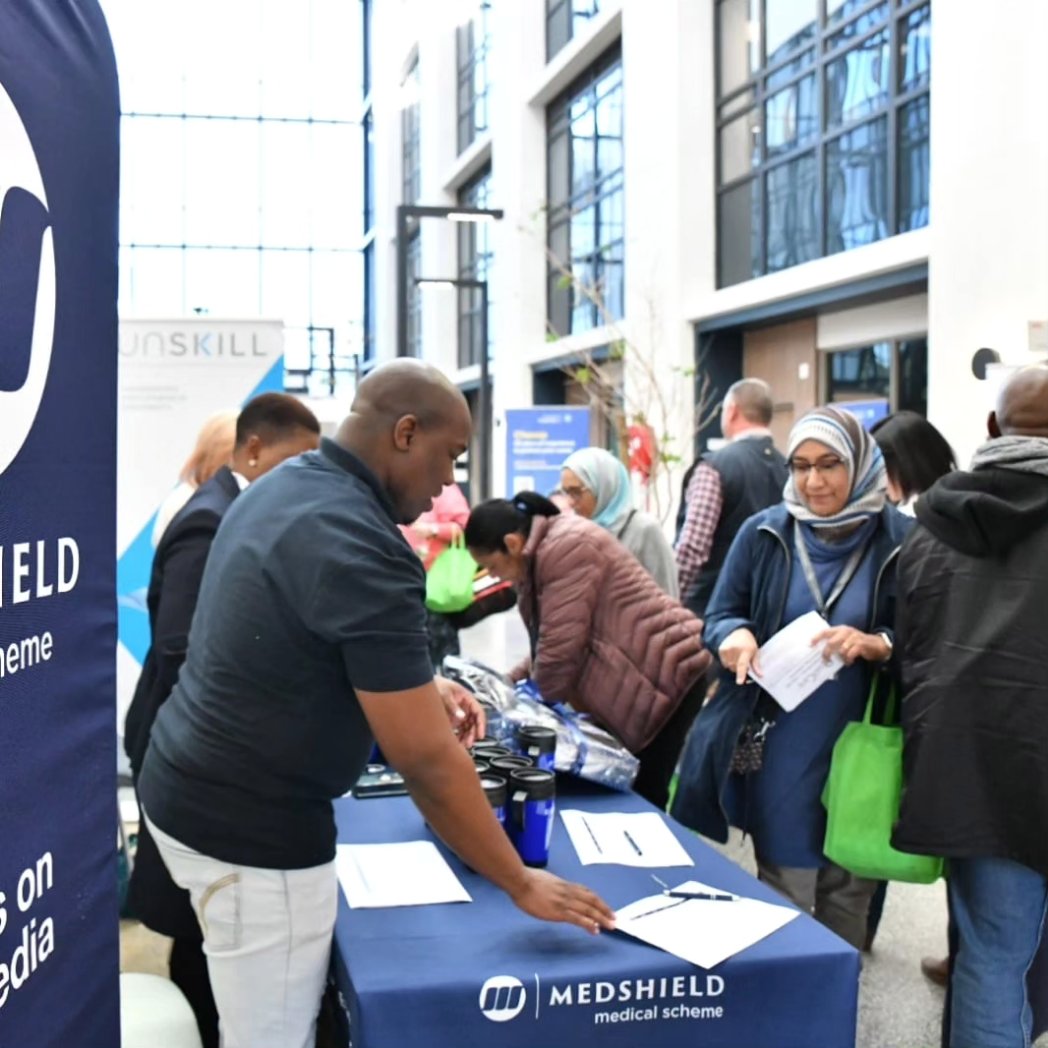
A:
(538, 440)
(868, 412)
(59, 171)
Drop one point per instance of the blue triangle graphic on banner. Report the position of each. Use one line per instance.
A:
(135, 564)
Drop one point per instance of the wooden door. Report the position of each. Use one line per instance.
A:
(785, 357)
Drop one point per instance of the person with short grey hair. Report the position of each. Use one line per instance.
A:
(725, 487)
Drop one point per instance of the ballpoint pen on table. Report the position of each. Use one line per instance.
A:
(633, 844)
(708, 896)
(593, 836)
(673, 893)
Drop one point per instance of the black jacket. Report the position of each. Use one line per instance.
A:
(174, 585)
(752, 474)
(973, 596)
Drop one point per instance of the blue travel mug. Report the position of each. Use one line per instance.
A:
(539, 743)
(488, 750)
(494, 787)
(504, 765)
(531, 809)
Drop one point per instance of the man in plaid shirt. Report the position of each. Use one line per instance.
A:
(726, 487)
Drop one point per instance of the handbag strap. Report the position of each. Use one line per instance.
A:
(889, 709)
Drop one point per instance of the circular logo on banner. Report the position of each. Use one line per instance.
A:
(502, 997)
(27, 299)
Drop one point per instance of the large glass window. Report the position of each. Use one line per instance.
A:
(414, 314)
(411, 171)
(367, 351)
(370, 301)
(822, 128)
(238, 190)
(369, 171)
(474, 263)
(565, 18)
(474, 49)
(586, 226)
(366, 11)
(883, 377)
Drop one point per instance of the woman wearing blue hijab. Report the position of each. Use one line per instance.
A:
(598, 488)
(831, 547)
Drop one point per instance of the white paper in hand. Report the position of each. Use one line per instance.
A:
(790, 668)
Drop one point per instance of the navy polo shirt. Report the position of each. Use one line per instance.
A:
(310, 591)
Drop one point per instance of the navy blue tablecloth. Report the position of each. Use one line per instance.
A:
(486, 974)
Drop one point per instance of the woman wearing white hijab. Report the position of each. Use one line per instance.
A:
(598, 488)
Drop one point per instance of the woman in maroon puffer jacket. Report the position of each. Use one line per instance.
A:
(604, 637)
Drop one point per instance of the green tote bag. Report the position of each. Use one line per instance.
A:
(449, 581)
(862, 802)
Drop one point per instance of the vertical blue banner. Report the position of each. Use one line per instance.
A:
(538, 440)
(59, 171)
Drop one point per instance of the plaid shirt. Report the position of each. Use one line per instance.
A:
(705, 500)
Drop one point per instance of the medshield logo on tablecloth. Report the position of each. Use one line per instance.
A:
(502, 997)
(27, 284)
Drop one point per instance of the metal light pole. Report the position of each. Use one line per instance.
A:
(405, 213)
(484, 395)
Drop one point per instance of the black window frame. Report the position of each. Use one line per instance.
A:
(368, 250)
(367, 130)
(413, 316)
(410, 134)
(561, 298)
(901, 394)
(367, 9)
(473, 49)
(370, 301)
(847, 30)
(563, 20)
(475, 258)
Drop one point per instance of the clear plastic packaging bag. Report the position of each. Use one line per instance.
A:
(583, 749)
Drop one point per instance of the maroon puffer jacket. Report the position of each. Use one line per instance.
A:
(610, 642)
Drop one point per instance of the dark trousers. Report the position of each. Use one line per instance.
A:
(873, 919)
(188, 968)
(658, 760)
(443, 638)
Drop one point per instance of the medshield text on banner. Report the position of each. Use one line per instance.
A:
(59, 166)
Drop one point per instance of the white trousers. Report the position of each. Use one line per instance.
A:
(267, 937)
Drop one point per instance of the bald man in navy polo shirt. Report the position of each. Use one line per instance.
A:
(309, 641)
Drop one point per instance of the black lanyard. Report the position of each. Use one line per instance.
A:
(846, 575)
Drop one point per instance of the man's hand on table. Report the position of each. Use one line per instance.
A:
(464, 711)
(550, 898)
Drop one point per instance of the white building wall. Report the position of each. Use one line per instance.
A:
(989, 200)
(987, 249)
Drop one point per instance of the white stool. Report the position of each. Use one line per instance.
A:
(154, 1013)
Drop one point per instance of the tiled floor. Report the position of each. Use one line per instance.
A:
(898, 1007)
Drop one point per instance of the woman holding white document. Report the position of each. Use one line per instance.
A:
(830, 547)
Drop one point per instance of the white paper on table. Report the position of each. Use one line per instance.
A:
(625, 838)
(410, 873)
(704, 932)
(790, 668)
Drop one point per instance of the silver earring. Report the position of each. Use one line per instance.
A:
(252, 463)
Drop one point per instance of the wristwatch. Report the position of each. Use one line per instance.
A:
(887, 638)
